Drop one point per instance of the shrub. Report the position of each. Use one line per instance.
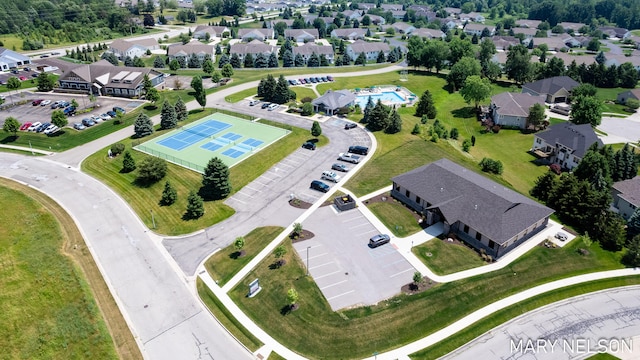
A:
(454, 134)
(307, 109)
(416, 130)
(466, 145)
(117, 149)
(491, 166)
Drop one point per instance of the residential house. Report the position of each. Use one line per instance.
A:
(103, 78)
(176, 51)
(328, 20)
(477, 29)
(417, 8)
(201, 31)
(527, 32)
(626, 196)
(554, 43)
(366, 6)
(504, 42)
(398, 14)
(635, 41)
(564, 143)
(628, 94)
(618, 60)
(123, 48)
(254, 48)
(512, 109)
(555, 89)
(287, 22)
(526, 23)
(402, 27)
(475, 209)
(370, 49)
(352, 14)
(332, 101)
(309, 49)
(349, 34)
(568, 58)
(375, 19)
(301, 35)
(11, 59)
(472, 16)
(391, 7)
(571, 26)
(615, 32)
(255, 34)
(580, 41)
(451, 23)
(429, 33)
(453, 11)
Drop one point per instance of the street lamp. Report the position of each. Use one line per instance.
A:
(308, 247)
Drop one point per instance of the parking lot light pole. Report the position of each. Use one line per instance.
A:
(308, 247)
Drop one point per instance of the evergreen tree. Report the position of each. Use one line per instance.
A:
(314, 60)
(625, 165)
(45, 82)
(142, 126)
(323, 60)
(381, 58)
(426, 106)
(218, 49)
(633, 224)
(235, 61)
(316, 130)
(169, 195)
(299, 60)
(248, 60)
(609, 229)
(395, 123)
(632, 257)
(267, 88)
(168, 117)
(367, 110)
(208, 67)
(181, 110)
(195, 206)
(287, 59)
(137, 62)
(128, 61)
(281, 94)
(261, 62)
(361, 60)
(593, 166)
(378, 118)
(273, 60)
(224, 59)
(215, 180)
(227, 71)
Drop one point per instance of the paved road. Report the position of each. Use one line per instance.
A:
(164, 314)
(582, 324)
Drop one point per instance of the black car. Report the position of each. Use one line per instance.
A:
(360, 150)
(265, 105)
(309, 145)
(319, 185)
(350, 125)
(378, 240)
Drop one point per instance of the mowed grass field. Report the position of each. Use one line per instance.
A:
(315, 331)
(49, 281)
(444, 258)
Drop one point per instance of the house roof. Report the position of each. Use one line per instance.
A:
(528, 23)
(254, 47)
(578, 138)
(213, 30)
(479, 27)
(618, 60)
(124, 45)
(257, 33)
(629, 190)
(555, 43)
(525, 31)
(571, 25)
(191, 48)
(345, 33)
(463, 195)
(613, 31)
(288, 22)
(551, 85)
(504, 42)
(335, 99)
(11, 56)
(310, 48)
(294, 33)
(515, 104)
(103, 72)
(635, 92)
(403, 26)
(391, 6)
(361, 46)
(568, 59)
(428, 33)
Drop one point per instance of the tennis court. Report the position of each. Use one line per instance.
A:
(219, 135)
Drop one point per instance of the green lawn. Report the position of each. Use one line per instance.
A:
(444, 258)
(610, 95)
(396, 217)
(315, 329)
(224, 264)
(602, 356)
(48, 310)
(168, 219)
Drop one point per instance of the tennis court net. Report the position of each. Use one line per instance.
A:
(191, 131)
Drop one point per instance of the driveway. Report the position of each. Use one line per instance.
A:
(620, 130)
(346, 270)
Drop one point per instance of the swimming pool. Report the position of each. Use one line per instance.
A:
(387, 97)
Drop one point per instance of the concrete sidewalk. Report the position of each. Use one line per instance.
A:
(26, 149)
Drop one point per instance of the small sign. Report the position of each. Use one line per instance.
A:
(254, 288)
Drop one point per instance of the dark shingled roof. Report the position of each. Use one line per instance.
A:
(629, 190)
(576, 137)
(552, 85)
(463, 195)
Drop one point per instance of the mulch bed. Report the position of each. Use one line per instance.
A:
(297, 203)
(411, 288)
(304, 235)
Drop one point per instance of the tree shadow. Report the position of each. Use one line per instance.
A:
(9, 139)
(143, 183)
(57, 133)
(150, 107)
(464, 113)
(237, 254)
(314, 140)
(285, 310)
(195, 111)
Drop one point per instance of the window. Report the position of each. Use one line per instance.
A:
(418, 199)
(407, 193)
(478, 236)
(492, 244)
(466, 229)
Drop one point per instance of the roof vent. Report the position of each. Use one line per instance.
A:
(475, 207)
(441, 189)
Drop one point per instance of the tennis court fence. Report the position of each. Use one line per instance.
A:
(170, 158)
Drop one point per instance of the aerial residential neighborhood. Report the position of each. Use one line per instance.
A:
(313, 179)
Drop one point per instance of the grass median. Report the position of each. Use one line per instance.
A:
(396, 217)
(315, 331)
(447, 258)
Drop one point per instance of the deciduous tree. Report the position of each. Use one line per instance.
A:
(476, 90)
(11, 125)
(586, 110)
(151, 169)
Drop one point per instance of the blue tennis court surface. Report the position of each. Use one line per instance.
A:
(253, 143)
(211, 146)
(192, 135)
(235, 152)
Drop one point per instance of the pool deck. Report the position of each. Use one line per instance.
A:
(400, 91)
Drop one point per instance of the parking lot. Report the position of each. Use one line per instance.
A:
(29, 113)
(346, 270)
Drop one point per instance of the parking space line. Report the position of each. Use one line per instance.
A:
(313, 257)
(317, 266)
(325, 275)
(249, 187)
(240, 201)
(401, 272)
(368, 232)
(256, 181)
(282, 163)
(355, 218)
(361, 225)
(395, 262)
(337, 296)
(334, 284)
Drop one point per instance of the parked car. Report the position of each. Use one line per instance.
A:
(88, 122)
(63, 104)
(329, 77)
(111, 113)
(360, 150)
(35, 75)
(340, 167)
(302, 81)
(34, 126)
(313, 80)
(309, 145)
(320, 186)
(324, 79)
(265, 105)
(25, 126)
(253, 102)
(43, 127)
(118, 108)
(307, 80)
(96, 119)
(273, 107)
(51, 130)
(561, 236)
(27, 69)
(79, 126)
(45, 102)
(36, 102)
(70, 110)
(331, 176)
(105, 116)
(354, 159)
(378, 240)
(22, 78)
(350, 125)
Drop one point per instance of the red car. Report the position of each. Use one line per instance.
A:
(36, 102)
(25, 126)
(23, 78)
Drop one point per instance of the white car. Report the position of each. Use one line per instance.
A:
(273, 107)
(105, 117)
(51, 129)
(45, 102)
(561, 236)
(354, 159)
(96, 119)
(34, 126)
(253, 102)
(331, 176)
